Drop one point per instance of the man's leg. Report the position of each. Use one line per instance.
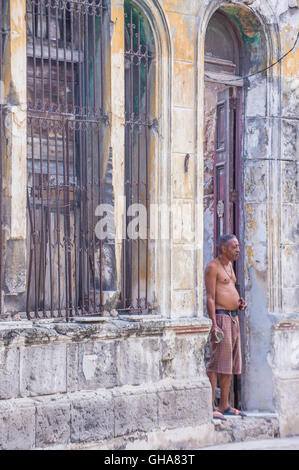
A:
(225, 382)
(213, 379)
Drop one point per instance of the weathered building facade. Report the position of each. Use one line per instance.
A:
(132, 134)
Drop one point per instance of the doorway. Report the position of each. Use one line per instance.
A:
(222, 146)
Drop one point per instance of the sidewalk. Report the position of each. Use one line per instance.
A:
(288, 443)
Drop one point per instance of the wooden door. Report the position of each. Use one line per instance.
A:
(227, 184)
(226, 166)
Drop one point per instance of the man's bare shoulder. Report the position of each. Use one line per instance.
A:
(212, 267)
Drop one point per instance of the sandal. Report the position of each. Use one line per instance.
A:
(230, 411)
(220, 415)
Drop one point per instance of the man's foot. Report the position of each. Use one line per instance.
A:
(218, 415)
(230, 411)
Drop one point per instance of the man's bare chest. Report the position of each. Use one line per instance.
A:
(224, 279)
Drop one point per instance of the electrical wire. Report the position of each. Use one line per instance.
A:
(262, 70)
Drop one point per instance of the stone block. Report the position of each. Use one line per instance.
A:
(287, 396)
(257, 97)
(208, 222)
(290, 224)
(182, 226)
(183, 268)
(135, 413)
(138, 360)
(290, 299)
(258, 142)
(290, 182)
(256, 230)
(72, 355)
(53, 423)
(290, 94)
(251, 428)
(256, 181)
(290, 265)
(92, 416)
(9, 373)
(183, 182)
(183, 32)
(182, 304)
(15, 266)
(285, 352)
(183, 131)
(188, 361)
(182, 408)
(290, 138)
(183, 84)
(92, 365)
(43, 369)
(181, 6)
(17, 425)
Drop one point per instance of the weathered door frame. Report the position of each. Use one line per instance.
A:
(233, 101)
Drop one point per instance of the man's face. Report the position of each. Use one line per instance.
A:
(231, 249)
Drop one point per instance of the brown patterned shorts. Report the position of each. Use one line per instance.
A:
(226, 356)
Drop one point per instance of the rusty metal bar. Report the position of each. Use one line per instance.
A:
(49, 222)
(100, 158)
(58, 219)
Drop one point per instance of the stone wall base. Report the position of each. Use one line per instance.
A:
(115, 381)
(153, 417)
(256, 426)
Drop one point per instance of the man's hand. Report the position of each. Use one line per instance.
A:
(242, 304)
(215, 329)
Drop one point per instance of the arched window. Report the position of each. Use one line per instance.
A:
(221, 46)
(140, 85)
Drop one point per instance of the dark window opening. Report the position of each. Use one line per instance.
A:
(140, 82)
(221, 46)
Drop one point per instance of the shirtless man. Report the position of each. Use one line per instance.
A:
(223, 303)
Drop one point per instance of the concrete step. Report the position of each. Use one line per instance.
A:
(287, 443)
(256, 425)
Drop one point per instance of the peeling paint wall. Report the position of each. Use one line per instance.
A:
(14, 164)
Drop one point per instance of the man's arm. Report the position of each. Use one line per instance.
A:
(210, 281)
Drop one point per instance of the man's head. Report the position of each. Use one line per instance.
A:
(228, 246)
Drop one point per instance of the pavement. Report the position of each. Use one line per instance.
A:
(287, 443)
